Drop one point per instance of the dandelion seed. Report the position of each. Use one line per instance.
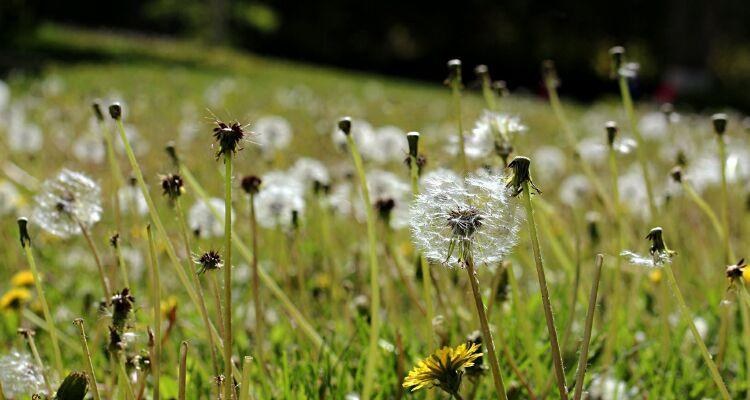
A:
(67, 203)
(202, 220)
(20, 376)
(452, 217)
(443, 369)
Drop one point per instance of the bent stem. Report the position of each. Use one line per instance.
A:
(45, 307)
(228, 387)
(687, 316)
(87, 354)
(488, 341)
(583, 357)
(556, 357)
(156, 300)
(372, 353)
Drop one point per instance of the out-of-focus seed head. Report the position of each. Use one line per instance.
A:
(172, 186)
(251, 184)
(593, 219)
(384, 208)
(208, 261)
(97, 107)
(520, 168)
(611, 127)
(719, 121)
(736, 270)
(501, 88)
(228, 136)
(454, 70)
(23, 232)
(616, 53)
(67, 203)
(549, 74)
(482, 72)
(345, 125)
(676, 174)
(115, 111)
(122, 305)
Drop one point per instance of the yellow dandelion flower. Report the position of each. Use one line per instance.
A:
(746, 275)
(167, 305)
(444, 368)
(14, 298)
(22, 279)
(654, 276)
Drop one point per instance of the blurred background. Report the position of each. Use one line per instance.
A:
(695, 53)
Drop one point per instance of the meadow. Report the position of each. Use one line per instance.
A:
(555, 250)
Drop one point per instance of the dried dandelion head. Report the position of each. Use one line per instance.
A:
(228, 137)
(208, 261)
(453, 220)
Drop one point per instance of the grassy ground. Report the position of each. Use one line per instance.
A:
(165, 84)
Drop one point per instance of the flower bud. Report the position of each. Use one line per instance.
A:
(611, 127)
(97, 110)
(74, 387)
(171, 150)
(720, 123)
(413, 139)
(115, 111)
(617, 54)
(345, 125)
(676, 174)
(521, 175)
(251, 184)
(482, 71)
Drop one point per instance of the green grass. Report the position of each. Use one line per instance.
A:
(158, 78)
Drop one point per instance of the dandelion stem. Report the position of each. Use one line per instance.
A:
(122, 265)
(182, 375)
(197, 283)
(627, 102)
(523, 323)
(114, 169)
(245, 385)
(29, 335)
(228, 391)
(105, 282)
(556, 357)
(724, 199)
(259, 313)
(745, 315)
(51, 329)
(87, 354)
(614, 317)
(687, 316)
(696, 198)
(456, 90)
(372, 353)
(124, 380)
(156, 300)
(488, 341)
(583, 357)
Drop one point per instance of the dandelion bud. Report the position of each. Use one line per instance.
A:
(384, 208)
(97, 110)
(720, 123)
(114, 240)
(122, 305)
(228, 136)
(362, 306)
(667, 109)
(345, 125)
(413, 139)
(676, 174)
(208, 261)
(592, 221)
(115, 111)
(481, 70)
(172, 153)
(251, 184)
(172, 186)
(549, 73)
(520, 167)
(454, 71)
(657, 241)
(617, 54)
(501, 88)
(23, 232)
(74, 387)
(295, 219)
(611, 127)
(736, 271)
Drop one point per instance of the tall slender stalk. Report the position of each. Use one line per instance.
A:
(156, 304)
(259, 313)
(182, 374)
(228, 387)
(87, 354)
(413, 140)
(245, 385)
(687, 316)
(489, 343)
(114, 167)
(583, 356)
(122, 266)
(26, 244)
(94, 252)
(29, 336)
(555, 347)
(627, 103)
(745, 315)
(720, 124)
(372, 352)
(454, 80)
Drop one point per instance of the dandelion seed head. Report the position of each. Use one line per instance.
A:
(574, 190)
(273, 133)
(275, 204)
(10, 198)
(67, 202)
(388, 144)
(478, 209)
(131, 199)
(202, 220)
(311, 172)
(20, 376)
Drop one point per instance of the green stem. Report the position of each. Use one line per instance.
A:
(102, 275)
(696, 198)
(527, 340)
(259, 313)
(488, 341)
(51, 329)
(372, 353)
(114, 169)
(583, 357)
(724, 199)
(556, 357)
(228, 387)
(687, 316)
(627, 103)
(35, 352)
(89, 364)
(426, 279)
(456, 90)
(124, 379)
(745, 315)
(182, 375)
(245, 385)
(614, 317)
(122, 265)
(156, 300)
